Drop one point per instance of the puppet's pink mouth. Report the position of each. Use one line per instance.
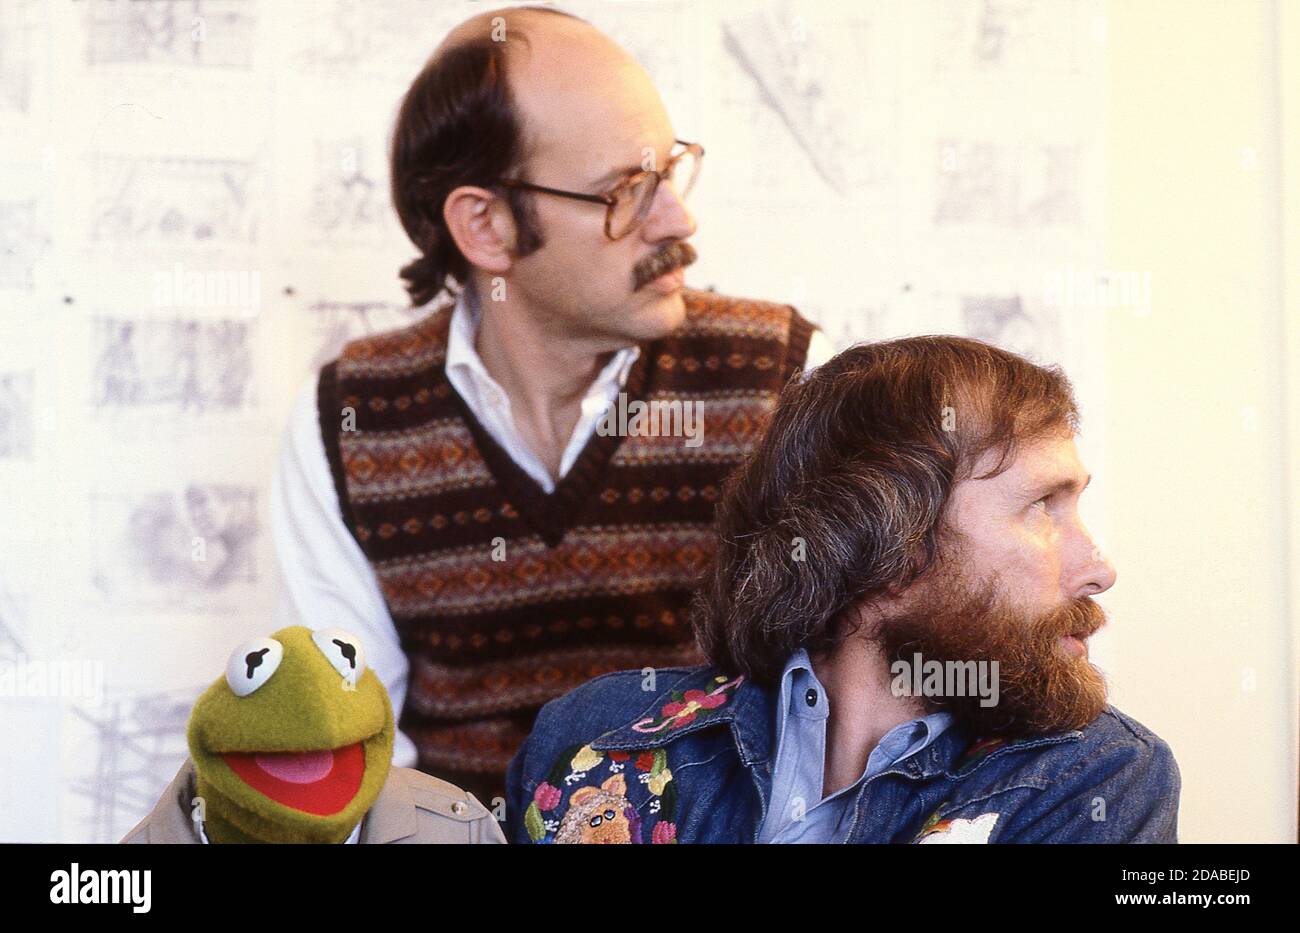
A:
(320, 782)
(296, 767)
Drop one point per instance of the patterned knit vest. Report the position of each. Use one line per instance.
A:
(505, 597)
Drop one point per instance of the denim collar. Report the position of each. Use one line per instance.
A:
(698, 699)
(956, 754)
(705, 698)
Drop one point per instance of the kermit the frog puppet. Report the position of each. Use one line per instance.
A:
(295, 744)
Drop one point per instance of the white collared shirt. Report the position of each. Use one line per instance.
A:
(326, 579)
(491, 406)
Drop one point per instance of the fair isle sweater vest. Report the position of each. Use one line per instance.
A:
(505, 597)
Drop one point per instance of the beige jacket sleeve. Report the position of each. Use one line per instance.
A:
(412, 808)
(416, 808)
(170, 821)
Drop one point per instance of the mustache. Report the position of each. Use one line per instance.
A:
(675, 255)
(1080, 617)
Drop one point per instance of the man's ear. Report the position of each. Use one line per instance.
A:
(482, 227)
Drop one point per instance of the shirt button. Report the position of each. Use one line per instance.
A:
(811, 697)
(458, 807)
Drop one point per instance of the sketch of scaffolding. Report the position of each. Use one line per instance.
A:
(140, 745)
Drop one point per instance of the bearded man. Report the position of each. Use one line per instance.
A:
(897, 617)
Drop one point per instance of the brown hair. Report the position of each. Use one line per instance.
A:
(457, 125)
(844, 498)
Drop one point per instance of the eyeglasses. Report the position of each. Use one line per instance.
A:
(628, 202)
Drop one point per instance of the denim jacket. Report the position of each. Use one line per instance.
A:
(689, 760)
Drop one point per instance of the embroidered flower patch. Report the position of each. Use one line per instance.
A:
(685, 707)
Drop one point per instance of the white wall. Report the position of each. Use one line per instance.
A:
(1197, 420)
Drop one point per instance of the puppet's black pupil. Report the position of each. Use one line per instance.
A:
(254, 660)
(349, 652)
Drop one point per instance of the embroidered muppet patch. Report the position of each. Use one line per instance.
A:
(617, 796)
(605, 813)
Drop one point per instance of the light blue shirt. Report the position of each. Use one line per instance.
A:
(796, 810)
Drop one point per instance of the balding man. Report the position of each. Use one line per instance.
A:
(514, 494)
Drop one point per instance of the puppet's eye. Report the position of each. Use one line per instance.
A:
(343, 651)
(252, 665)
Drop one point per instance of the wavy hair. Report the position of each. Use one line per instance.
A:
(844, 498)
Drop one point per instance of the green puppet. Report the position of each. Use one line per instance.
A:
(294, 745)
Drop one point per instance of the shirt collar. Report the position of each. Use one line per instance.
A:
(466, 316)
(803, 695)
(463, 330)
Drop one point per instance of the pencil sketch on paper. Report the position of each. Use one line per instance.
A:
(185, 365)
(22, 243)
(1013, 36)
(349, 196)
(782, 62)
(1007, 186)
(847, 326)
(171, 547)
(166, 201)
(336, 322)
(211, 33)
(1005, 321)
(13, 624)
(139, 744)
(17, 28)
(347, 38)
(16, 415)
(663, 43)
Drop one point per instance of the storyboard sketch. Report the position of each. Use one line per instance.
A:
(174, 546)
(209, 33)
(138, 744)
(184, 366)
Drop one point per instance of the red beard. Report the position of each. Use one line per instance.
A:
(1042, 687)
